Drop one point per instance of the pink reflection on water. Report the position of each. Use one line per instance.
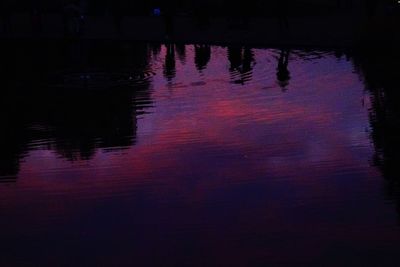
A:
(215, 117)
(255, 172)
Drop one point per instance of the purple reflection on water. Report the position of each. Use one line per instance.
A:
(221, 174)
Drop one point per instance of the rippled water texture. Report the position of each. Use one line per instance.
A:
(183, 155)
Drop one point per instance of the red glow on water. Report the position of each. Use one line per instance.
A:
(239, 173)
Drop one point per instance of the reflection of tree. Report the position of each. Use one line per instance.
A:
(155, 49)
(13, 139)
(74, 118)
(181, 51)
(241, 61)
(82, 123)
(170, 64)
(14, 133)
(248, 60)
(234, 57)
(202, 55)
(282, 71)
(380, 72)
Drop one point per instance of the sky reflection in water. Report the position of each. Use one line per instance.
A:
(213, 162)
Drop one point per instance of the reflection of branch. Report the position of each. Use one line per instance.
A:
(283, 74)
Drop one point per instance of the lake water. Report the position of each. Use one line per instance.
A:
(183, 155)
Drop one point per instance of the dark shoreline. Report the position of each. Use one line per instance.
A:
(324, 32)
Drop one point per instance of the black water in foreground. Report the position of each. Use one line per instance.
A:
(195, 155)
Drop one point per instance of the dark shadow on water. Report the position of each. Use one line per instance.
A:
(181, 52)
(380, 73)
(156, 49)
(242, 61)
(181, 194)
(202, 55)
(81, 98)
(170, 62)
(282, 71)
(14, 139)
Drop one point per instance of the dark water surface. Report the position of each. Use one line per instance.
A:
(174, 155)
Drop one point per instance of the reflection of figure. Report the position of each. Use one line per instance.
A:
(169, 65)
(202, 55)
(181, 51)
(241, 64)
(338, 54)
(155, 49)
(247, 68)
(234, 57)
(283, 74)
